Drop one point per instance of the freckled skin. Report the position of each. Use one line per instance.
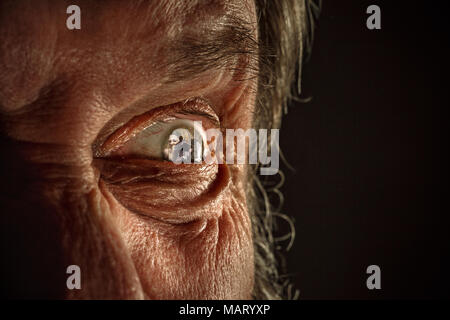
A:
(58, 89)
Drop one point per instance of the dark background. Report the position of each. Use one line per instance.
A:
(370, 185)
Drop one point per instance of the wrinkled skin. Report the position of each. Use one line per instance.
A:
(179, 233)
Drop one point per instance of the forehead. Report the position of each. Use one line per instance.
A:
(102, 17)
(120, 44)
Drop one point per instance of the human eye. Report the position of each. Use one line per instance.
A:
(171, 133)
(137, 170)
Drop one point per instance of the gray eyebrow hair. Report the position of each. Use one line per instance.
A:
(232, 47)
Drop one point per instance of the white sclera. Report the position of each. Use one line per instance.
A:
(153, 142)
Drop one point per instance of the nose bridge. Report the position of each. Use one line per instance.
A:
(53, 216)
(31, 227)
(48, 171)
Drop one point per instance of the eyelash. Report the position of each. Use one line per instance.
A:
(120, 142)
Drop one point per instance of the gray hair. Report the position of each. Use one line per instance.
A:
(286, 33)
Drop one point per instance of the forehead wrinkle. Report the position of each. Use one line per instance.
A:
(175, 40)
(229, 45)
(192, 37)
(171, 16)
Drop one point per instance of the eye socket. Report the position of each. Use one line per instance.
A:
(133, 167)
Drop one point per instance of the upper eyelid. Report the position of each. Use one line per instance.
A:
(211, 118)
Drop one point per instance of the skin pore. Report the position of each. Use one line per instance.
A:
(138, 228)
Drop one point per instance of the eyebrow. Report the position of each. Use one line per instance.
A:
(230, 45)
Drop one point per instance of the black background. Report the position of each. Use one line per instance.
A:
(370, 185)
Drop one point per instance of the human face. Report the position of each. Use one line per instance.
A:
(69, 101)
(173, 140)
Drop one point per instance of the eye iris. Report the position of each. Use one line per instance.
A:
(183, 146)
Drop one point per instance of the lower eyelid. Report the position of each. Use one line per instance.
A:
(165, 191)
